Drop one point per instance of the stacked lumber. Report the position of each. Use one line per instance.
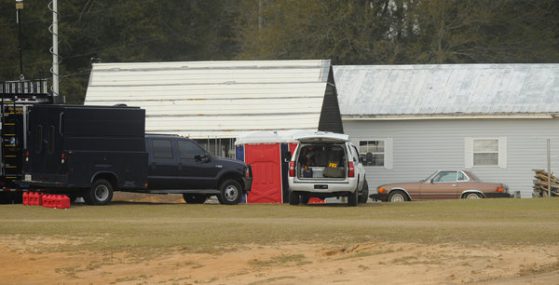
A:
(541, 183)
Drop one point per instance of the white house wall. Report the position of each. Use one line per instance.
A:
(421, 147)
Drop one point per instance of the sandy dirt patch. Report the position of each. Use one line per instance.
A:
(26, 262)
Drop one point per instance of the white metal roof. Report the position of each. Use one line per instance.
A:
(442, 91)
(215, 99)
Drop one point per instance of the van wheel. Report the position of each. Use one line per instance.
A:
(364, 193)
(194, 198)
(352, 198)
(100, 193)
(230, 192)
(294, 198)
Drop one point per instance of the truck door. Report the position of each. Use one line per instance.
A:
(162, 169)
(196, 168)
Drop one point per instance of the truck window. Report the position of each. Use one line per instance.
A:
(38, 139)
(189, 149)
(162, 149)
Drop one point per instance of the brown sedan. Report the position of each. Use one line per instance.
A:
(443, 184)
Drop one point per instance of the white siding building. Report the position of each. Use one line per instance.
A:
(494, 119)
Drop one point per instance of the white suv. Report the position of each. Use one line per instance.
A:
(325, 165)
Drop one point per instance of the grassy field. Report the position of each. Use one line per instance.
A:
(205, 228)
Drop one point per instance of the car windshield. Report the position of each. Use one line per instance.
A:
(430, 176)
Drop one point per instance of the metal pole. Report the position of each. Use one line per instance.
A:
(19, 7)
(55, 65)
(548, 168)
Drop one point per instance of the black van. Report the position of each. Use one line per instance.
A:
(86, 151)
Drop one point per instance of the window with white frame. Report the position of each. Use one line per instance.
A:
(486, 152)
(372, 152)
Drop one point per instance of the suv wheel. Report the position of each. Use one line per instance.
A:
(364, 193)
(352, 198)
(294, 198)
(194, 198)
(230, 192)
(100, 193)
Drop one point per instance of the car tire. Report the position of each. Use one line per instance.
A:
(230, 192)
(100, 193)
(472, 196)
(397, 196)
(294, 198)
(194, 198)
(364, 193)
(352, 198)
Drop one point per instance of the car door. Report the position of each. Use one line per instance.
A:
(162, 164)
(197, 169)
(443, 185)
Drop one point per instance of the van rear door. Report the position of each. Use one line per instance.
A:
(45, 142)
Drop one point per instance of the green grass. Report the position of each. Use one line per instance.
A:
(150, 228)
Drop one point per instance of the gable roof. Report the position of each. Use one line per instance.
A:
(447, 90)
(215, 99)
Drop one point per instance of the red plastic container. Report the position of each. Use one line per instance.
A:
(65, 202)
(25, 198)
(47, 200)
(39, 199)
(32, 199)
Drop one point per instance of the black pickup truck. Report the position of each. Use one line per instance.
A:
(179, 165)
(92, 151)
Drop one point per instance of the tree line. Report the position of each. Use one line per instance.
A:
(346, 31)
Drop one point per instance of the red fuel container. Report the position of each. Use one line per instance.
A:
(64, 202)
(25, 198)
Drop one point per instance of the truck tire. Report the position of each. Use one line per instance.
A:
(364, 193)
(230, 192)
(194, 198)
(100, 193)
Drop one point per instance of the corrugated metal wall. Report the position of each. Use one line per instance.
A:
(215, 99)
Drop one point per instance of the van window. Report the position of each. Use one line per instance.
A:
(38, 139)
(189, 149)
(162, 149)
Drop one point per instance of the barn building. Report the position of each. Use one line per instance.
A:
(493, 119)
(215, 101)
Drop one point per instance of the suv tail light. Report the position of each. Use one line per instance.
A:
(292, 169)
(26, 155)
(351, 169)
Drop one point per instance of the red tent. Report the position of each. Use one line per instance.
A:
(267, 154)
